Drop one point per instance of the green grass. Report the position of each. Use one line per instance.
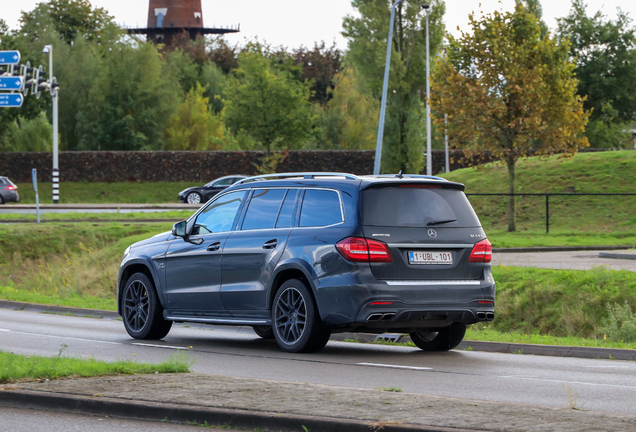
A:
(175, 215)
(607, 172)
(106, 193)
(73, 264)
(538, 238)
(487, 334)
(564, 303)
(14, 367)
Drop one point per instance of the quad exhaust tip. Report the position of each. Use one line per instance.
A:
(485, 316)
(376, 317)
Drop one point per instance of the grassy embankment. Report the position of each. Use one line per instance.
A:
(76, 265)
(15, 368)
(66, 264)
(574, 221)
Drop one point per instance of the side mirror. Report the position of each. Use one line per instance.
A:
(179, 229)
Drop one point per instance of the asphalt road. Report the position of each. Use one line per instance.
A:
(600, 385)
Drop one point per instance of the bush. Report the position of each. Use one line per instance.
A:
(620, 324)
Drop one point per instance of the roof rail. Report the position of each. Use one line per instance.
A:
(410, 176)
(305, 175)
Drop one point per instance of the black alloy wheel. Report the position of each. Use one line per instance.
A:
(297, 327)
(194, 198)
(141, 311)
(266, 332)
(444, 339)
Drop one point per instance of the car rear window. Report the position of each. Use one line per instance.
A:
(413, 206)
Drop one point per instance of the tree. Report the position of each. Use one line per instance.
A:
(320, 65)
(605, 57)
(268, 103)
(129, 103)
(367, 35)
(194, 126)
(534, 6)
(506, 90)
(28, 135)
(69, 18)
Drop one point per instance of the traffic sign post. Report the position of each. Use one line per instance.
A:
(34, 178)
(18, 79)
(9, 57)
(11, 100)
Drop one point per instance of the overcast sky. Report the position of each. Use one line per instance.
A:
(301, 22)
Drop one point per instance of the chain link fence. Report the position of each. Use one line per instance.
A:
(558, 212)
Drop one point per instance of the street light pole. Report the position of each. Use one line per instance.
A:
(56, 173)
(387, 66)
(429, 155)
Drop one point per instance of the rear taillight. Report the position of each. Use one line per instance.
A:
(482, 252)
(11, 187)
(359, 249)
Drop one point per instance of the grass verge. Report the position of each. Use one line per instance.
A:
(14, 367)
(173, 215)
(72, 265)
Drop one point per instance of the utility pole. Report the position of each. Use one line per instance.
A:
(56, 172)
(429, 155)
(387, 66)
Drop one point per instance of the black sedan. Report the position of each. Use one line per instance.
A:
(201, 194)
(8, 191)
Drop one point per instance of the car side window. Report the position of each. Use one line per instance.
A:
(224, 182)
(320, 208)
(263, 209)
(285, 217)
(219, 216)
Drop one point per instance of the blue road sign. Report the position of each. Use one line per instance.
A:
(9, 57)
(10, 83)
(11, 100)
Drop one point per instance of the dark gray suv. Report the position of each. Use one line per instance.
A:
(301, 256)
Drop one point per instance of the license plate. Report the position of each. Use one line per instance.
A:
(430, 257)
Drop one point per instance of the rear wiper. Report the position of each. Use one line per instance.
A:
(441, 222)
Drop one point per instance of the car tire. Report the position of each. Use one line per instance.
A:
(445, 339)
(1, 200)
(194, 198)
(265, 332)
(296, 324)
(142, 312)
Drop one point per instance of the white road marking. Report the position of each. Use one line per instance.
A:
(64, 337)
(160, 346)
(568, 382)
(5, 330)
(394, 366)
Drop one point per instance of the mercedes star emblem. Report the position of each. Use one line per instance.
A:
(432, 233)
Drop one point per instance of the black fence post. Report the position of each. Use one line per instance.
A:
(547, 213)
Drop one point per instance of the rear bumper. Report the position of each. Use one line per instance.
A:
(373, 305)
(10, 196)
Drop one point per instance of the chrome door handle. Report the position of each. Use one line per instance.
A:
(214, 246)
(271, 244)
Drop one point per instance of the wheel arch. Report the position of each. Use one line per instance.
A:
(132, 267)
(291, 270)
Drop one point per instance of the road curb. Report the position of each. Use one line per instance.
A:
(483, 346)
(616, 255)
(175, 413)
